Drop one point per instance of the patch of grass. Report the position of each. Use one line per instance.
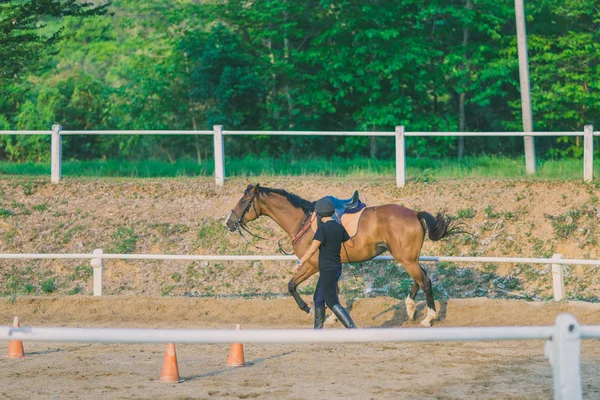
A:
(426, 176)
(4, 213)
(81, 273)
(467, 213)
(489, 212)
(76, 290)
(40, 207)
(124, 241)
(212, 236)
(68, 234)
(48, 286)
(165, 290)
(176, 276)
(564, 225)
(28, 188)
(167, 229)
(489, 271)
(418, 169)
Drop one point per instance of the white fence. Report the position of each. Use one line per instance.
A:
(562, 348)
(219, 144)
(97, 262)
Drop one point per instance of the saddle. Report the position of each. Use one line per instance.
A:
(347, 206)
(347, 213)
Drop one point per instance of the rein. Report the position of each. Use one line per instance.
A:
(241, 225)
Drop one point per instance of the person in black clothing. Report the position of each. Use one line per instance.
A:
(328, 240)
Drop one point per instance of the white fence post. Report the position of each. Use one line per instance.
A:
(588, 153)
(219, 155)
(564, 354)
(558, 281)
(56, 154)
(400, 157)
(98, 265)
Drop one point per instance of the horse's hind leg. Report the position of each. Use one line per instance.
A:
(411, 307)
(421, 281)
(428, 289)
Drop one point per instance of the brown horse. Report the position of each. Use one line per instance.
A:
(391, 227)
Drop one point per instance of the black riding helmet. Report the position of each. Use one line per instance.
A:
(324, 207)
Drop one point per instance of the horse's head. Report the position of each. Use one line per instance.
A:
(246, 209)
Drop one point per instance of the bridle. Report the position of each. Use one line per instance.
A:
(240, 218)
(240, 224)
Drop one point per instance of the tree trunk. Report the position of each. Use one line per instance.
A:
(286, 56)
(462, 125)
(192, 107)
(373, 147)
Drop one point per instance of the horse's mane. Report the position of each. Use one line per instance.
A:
(295, 200)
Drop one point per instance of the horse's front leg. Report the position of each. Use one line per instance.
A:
(301, 275)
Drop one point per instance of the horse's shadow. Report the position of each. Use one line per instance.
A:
(248, 364)
(400, 317)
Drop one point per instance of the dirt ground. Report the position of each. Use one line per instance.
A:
(515, 218)
(462, 370)
(518, 218)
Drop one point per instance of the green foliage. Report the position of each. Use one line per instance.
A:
(165, 290)
(4, 213)
(48, 286)
(293, 65)
(467, 213)
(124, 241)
(435, 170)
(81, 273)
(26, 34)
(211, 236)
(76, 290)
(489, 212)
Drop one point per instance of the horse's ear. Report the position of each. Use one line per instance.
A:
(256, 187)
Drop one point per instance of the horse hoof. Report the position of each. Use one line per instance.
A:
(426, 323)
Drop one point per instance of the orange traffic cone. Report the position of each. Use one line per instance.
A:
(236, 354)
(15, 347)
(170, 372)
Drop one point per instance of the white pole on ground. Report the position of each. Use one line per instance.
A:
(219, 155)
(98, 265)
(56, 154)
(558, 282)
(588, 153)
(400, 157)
(563, 351)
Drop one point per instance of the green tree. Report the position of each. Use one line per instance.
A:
(24, 38)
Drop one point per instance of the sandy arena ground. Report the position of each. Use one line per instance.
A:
(469, 370)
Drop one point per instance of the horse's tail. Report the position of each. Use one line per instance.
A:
(440, 226)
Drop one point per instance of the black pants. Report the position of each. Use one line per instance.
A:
(327, 286)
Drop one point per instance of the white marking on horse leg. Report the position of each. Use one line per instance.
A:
(431, 315)
(332, 319)
(227, 220)
(411, 308)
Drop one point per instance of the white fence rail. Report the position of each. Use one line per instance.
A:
(219, 143)
(97, 262)
(562, 348)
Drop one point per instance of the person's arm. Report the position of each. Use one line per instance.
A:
(347, 239)
(314, 246)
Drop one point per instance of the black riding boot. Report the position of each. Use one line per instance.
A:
(319, 317)
(341, 313)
